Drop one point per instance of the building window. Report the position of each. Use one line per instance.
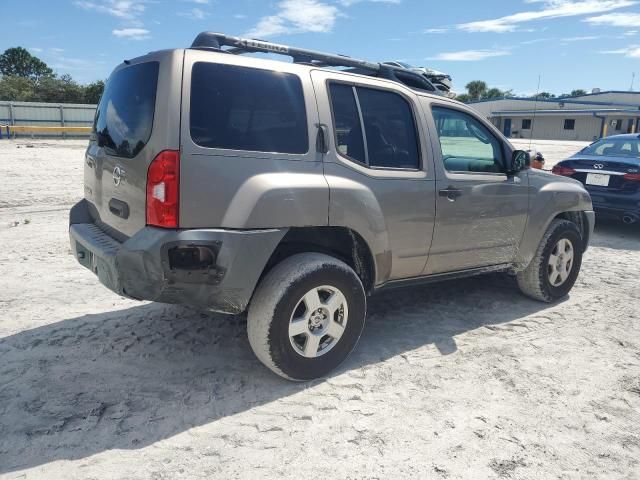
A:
(618, 125)
(526, 124)
(569, 124)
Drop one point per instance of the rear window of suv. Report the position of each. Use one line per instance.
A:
(240, 108)
(124, 117)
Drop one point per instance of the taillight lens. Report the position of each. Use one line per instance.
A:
(564, 171)
(163, 190)
(634, 177)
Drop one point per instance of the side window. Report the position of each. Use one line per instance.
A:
(240, 108)
(346, 121)
(389, 139)
(389, 129)
(466, 144)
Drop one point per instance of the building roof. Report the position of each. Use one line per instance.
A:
(566, 100)
(565, 112)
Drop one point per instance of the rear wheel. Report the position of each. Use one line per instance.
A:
(556, 264)
(306, 316)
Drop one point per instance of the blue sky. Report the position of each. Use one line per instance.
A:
(571, 44)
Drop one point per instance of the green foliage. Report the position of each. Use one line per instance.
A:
(93, 92)
(578, 93)
(20, 63)
(26, 78)
(544, 95)
(476, 89)
(479, 90)
(17, 89)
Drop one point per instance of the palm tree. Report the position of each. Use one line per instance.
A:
(477, 89)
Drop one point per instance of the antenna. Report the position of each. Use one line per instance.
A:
(535, 110)
(633, 78)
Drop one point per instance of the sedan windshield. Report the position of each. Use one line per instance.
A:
(615, 147)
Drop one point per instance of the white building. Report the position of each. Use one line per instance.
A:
(587, 117)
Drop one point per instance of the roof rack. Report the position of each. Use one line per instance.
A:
(239, 46)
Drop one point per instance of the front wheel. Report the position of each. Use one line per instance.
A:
(556, 264)
(306, 316)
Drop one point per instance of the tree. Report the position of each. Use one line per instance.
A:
(494, 93)
(463, 97)
(59, 90)
(544, 95)
(19, 62)
(477, 89)
(17, 89)
(93, 92)
(578, 93)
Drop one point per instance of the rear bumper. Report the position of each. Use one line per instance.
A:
(616, 204)
(139, 267)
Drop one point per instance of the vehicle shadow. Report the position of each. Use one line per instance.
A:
(611, 233)
(129, 378)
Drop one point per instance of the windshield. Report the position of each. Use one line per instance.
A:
(614, 147)
(124, 117)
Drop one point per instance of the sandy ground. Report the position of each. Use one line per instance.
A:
(466, 379)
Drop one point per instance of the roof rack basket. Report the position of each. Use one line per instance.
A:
(238, 46)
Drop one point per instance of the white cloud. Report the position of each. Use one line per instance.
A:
(580, 39)
(194, 14)
(551, 9)
(470, 55)
(35, 49)
(630, 33)
(616, 20)
(199, 2)
(296, 16)
(132, 33)
(348, 3)
(435, 30)
(632, 51)
(123, 9)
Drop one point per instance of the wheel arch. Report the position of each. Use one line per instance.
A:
(342, 243)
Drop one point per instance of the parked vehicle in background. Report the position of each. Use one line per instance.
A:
(610, 171)
(440, 80)
(295, 191)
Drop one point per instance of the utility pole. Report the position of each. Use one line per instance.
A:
(633, 78)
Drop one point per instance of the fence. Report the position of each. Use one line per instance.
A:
(45, 119)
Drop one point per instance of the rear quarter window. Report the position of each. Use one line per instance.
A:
(241, 108)
(124, 117)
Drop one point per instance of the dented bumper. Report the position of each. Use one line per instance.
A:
(145, 266)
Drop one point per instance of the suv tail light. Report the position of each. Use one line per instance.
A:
(163, 190)
(634, 177)
(564, 171)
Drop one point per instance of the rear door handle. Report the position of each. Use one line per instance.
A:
(450, 192)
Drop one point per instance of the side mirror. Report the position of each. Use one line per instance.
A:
(519, 161)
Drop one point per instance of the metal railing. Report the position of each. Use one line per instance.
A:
(45, 119)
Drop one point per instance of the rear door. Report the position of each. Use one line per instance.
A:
(138, 116)
(379, 168)
(481, 211)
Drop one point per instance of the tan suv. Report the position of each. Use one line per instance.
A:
(295, 190)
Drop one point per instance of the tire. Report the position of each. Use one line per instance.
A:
(535, 281)
(279, 308)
